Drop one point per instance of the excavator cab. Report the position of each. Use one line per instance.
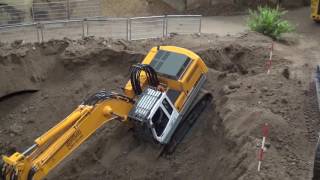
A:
(315, 10)
(159, 110)
(155, 115)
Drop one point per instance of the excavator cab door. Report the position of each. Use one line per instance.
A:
(163, 120)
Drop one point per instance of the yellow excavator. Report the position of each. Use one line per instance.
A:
(160, 102)
(315, 10)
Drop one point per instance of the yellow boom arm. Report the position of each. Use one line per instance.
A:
(56, 144)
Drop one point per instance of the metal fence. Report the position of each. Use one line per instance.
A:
(21, 12)
(119, 28)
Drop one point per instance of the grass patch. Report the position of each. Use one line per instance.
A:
(268, 21)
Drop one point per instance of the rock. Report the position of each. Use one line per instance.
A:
(234, 85)
(123, 43)
(173, 34)
(17, 43)
(35, 78)
(225, 90)
(16, 128)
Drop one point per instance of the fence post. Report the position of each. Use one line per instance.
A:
(83, 35)
(38, 33)
(129, 30)
(164, 26)
(200, 24)
(87, 23)
(166, 31)
(32, 12)
(41, 30)
(68, 9)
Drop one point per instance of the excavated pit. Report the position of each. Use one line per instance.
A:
(221, 145)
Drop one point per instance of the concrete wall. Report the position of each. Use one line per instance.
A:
(182, 5)
(193, 4)
(179, 5)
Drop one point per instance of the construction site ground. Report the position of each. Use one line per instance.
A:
(40, 84)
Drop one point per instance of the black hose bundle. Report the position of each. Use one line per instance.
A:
(135, 77)
(104, 95)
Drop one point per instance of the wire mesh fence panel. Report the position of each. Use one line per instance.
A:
(184, 24)
(84, 8)
(118, 28)
(26, 32)
(16, 12)
(61, 29)
(146, 27)
(51, 10)
(109, 28)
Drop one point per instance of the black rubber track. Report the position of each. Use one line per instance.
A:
(187, 123)
(316, 165)
(1, 170)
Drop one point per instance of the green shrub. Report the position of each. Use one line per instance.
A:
(269, 21)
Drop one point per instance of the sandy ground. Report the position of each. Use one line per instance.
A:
(223, 143)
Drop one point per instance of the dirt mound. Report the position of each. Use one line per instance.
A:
(223, 143)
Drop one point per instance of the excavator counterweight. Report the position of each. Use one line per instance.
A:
(161, 102)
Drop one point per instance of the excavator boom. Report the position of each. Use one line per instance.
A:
(65, 137)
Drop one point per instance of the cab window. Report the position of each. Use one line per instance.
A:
(160, 121)
(167, 105)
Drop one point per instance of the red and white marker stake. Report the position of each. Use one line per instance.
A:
(265, 132)
(269, 62)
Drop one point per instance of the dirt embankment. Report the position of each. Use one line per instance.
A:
(223, 143)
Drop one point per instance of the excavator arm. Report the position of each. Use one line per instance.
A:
(57, 143)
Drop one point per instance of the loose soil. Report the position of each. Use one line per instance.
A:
(222, 144)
